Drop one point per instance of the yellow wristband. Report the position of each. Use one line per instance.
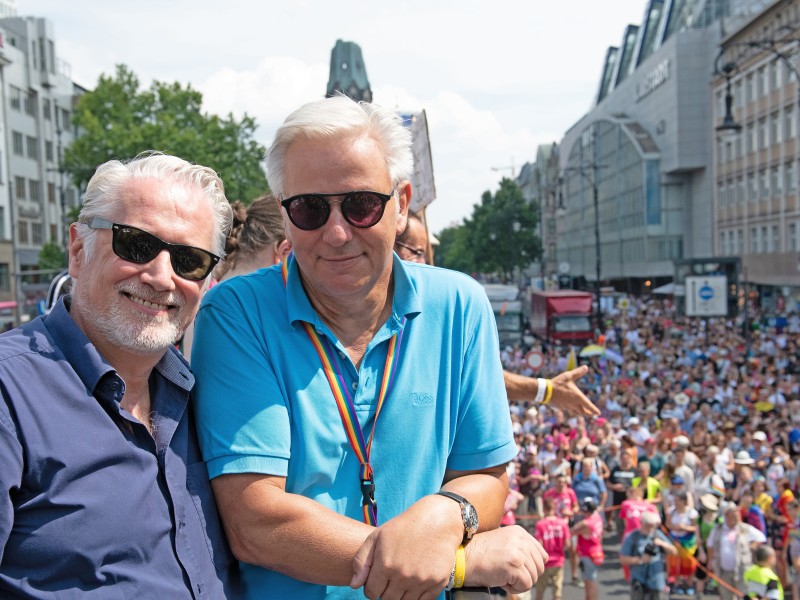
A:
(461, 567)
(549, 393)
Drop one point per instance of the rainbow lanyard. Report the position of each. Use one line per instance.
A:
(347, 411)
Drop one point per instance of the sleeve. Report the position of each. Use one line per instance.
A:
(242, 415)
(627, 545)
(773, 590)
(484, 437)
(601, 485)
(755, 535)
(11, 457)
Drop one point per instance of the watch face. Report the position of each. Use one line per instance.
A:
(470, 520)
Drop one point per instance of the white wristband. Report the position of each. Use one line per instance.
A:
(541, 388)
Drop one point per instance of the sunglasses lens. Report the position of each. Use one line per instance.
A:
(309, 212)
(363, 209)
(135, 245)
(191, 263)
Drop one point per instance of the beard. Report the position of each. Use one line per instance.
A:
(139, 332)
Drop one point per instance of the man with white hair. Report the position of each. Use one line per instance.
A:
(351, 405)
(643, 551)
(104, 493)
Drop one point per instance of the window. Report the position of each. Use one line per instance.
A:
(19, 186)
(739, 190)
(5, 277)
(789, 122)
(761, 81)
(51, 192)
(749, 88)
(762, 133)
(22, 231)
(35, 189)
(752, 189)
(750, 138)
(37, 236)
(754, 240)
(53, 232)
(775, 239)
(776, 182)
(33, 147)
(788, 177)
(764, 239)
(774, 75)
(48, 150)
(46, 109)
(30, 104)
(775, 128)
(792, 235)
(16, 142)
(763, 184)
(739, 241)
(15, 97)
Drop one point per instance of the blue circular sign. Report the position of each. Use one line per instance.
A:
(706, 292)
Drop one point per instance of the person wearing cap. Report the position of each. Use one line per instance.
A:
(730, 549)
(643, 551)
(637, 431)
(708, 506)
(653, 456)
(589, 534)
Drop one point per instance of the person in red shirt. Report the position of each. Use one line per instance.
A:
(563, 496)
(630, 513)
(553, 533)
(589, 548)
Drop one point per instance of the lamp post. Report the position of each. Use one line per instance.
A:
(729, 127)
(596, 202)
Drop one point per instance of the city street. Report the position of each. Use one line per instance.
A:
(612, 583)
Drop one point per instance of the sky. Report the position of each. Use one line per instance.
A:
(496, 79)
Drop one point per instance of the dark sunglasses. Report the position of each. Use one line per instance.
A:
(138, 246)
(360, 208)
(418, 252)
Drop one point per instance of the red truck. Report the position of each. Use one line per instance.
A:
(562, 316)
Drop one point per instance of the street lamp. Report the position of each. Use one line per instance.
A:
(729, 127)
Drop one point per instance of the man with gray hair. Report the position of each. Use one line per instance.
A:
(643, 551)
(351, 406)
(103, 491)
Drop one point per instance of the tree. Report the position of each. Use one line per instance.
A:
(499, 237)
(119, 119)
(52, 257)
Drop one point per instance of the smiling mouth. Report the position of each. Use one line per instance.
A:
(148, 304)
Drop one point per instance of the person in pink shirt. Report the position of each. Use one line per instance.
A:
(553, 533)
(632, 509)
(563, 496)
(589, 532)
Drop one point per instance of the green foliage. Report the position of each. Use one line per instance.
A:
(119, 119)
(52, 257)
(499, 237)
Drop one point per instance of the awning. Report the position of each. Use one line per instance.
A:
(665, 290)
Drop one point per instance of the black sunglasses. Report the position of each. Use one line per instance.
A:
(360, 208)
(418, 252)
(138, 246)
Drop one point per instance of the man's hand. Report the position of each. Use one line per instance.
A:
(410, 556)
(509, 558)
(568, 397)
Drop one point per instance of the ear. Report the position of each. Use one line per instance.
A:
(77, 258)
(403, 203)
(282, 251)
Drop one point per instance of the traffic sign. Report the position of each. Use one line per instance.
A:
(707, 296)
(535, 359)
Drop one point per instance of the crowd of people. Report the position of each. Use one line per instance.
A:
(699, 425)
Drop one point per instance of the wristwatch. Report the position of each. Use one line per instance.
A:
(468, 514)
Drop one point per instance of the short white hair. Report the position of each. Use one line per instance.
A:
(651, 518)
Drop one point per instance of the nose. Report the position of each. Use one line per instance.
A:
(336, 231)
(158, 273)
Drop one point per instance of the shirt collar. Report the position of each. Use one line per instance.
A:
(405, 303)
(88, 363)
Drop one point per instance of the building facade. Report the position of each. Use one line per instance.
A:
(637, 172)
(38, 96)
(755, 196)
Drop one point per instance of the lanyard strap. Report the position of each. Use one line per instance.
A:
(346, 407)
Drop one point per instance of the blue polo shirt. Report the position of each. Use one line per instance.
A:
(265, 406)
(91, 505)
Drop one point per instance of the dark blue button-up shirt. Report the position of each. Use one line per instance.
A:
(91, 504)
